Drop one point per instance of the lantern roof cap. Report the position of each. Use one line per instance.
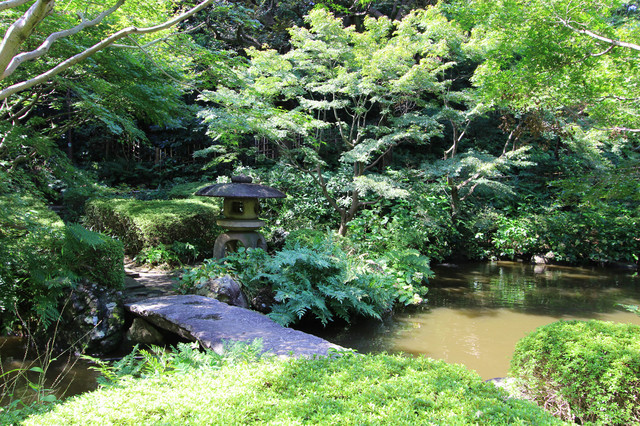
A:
(240, 187)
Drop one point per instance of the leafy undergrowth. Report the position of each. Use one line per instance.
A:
(347, 389)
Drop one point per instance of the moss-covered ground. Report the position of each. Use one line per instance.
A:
(349, 389)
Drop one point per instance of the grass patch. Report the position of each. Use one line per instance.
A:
(351, 389)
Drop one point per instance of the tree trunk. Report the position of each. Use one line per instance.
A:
(454, 198)
(70, 129)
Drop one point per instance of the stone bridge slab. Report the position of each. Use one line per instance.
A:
(211, 323)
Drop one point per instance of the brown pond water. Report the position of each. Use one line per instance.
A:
(65, 376)
(476, 313)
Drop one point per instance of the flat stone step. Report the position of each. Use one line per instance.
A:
(211, 323)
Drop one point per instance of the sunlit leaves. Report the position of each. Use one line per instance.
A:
(558, 54)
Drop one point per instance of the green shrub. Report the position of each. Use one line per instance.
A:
(587, 372)
(516, 237)
(74, 199)
(349, 389)
(94, 256)
(41, 258)
(319, 281)
(410, 271)
(593, 234)
(421, 222)
(193, 279)
(32, 277)
(145, 224)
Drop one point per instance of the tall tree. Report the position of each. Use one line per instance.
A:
(343, 94)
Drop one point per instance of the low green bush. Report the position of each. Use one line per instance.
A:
(74, 199)
(32, 276)
(146, 224)
(41, 258)
(347, 389)
(593, 234)
(583, 371)
(517, 237)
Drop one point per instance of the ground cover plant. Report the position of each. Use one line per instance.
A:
(584, 371)
(339, 389)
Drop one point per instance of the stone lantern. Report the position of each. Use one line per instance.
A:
(240, 211)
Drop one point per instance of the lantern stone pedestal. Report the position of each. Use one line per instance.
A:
(240, 211)
(228, 242)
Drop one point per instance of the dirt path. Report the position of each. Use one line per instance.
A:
(142, 282)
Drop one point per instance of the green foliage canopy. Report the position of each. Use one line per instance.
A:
(579, 58)
(345, 95)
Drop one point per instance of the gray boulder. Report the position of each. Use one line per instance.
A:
(224, 289)
(143, 332)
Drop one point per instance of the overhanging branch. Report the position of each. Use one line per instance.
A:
(21, 30)
(598, 37)
(18, 87)
(9, 4)
(46, 45)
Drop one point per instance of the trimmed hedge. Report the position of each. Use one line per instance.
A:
(584, 371)
(350, 389)
(143, 224)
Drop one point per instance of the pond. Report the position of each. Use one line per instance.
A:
(476, 313)
(66, 375)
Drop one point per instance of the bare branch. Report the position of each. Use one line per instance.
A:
(319, 180)
(21, 29)
(626, 129)
(604, 52)
(473, 188)
(46, 45)
(9, 4)
(593, 35)
(370, 166)
(8, 91)
(371, 203)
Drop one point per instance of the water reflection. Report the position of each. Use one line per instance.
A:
(66, 375)
(476, 313)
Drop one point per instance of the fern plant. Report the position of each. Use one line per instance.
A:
(319, 281)
(185, 358)
(315, 277)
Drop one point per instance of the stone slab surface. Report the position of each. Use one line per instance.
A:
(212, 322)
